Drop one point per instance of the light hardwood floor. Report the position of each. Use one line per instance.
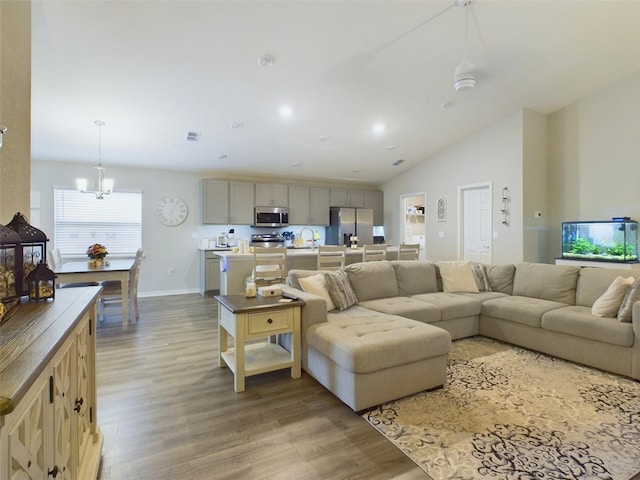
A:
(168, 411)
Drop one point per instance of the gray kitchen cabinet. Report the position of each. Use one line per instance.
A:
(210, 272)
(226, 203)
(215, 201)
(374, 199)
(271, 195)
(308, 205)
(343, 197)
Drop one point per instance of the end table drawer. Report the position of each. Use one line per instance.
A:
(264, 322)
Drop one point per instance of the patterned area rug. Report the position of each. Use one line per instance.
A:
(509, 413)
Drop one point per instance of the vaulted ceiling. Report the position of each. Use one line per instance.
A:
(156, 71)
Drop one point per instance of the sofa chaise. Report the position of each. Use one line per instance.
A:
(391, 331)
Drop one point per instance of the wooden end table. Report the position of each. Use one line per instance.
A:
(257, 318)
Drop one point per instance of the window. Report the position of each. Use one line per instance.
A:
(82, 220)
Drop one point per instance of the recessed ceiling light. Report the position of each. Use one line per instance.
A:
(237, 125)
(285, 111)
(323, 138)
(378, 128)
(397, 162)
(296, 164)
(356, 170)
(221, 156)
(266, 61)
(391, 147)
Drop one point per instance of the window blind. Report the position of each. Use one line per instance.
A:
(82, 220)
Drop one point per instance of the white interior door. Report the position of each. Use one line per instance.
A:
(476, 223)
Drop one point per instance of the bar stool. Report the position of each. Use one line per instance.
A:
(331, 257)
(374, 253)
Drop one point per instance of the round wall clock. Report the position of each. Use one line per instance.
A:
(171, 211)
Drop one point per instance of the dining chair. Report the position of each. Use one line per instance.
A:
(408, 251)
(269, 265)
(55, 260)
(376, 252)
(331, 257)
(112, 290)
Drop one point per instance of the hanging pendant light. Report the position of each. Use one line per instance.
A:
(105, 185)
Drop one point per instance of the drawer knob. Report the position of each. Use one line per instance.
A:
(269, 321)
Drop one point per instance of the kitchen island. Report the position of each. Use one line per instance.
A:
(236, 267)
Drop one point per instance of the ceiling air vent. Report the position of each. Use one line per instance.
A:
(193, 136)
(397, 162)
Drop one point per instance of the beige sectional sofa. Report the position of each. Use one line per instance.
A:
(395, 340)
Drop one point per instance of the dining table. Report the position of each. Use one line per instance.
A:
(79, 272)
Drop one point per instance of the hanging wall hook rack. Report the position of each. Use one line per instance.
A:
(506, 197)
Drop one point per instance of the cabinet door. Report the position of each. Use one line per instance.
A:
(212, 274)
(263, 195)
(27, 435)
(374, 199)
(355, 198)
(299, 205)
(280, 195)
(319, 206)
(64, 416)
(85, 396)
(241, 203)
(215, 201)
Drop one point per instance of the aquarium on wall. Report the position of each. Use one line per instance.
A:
(607, 241)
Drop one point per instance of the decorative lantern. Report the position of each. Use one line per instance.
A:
(10, 265)
(41, 283)
(34, 246)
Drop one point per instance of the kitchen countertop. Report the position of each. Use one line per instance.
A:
(297, 252)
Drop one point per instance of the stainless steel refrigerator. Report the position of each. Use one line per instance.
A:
(347, 222)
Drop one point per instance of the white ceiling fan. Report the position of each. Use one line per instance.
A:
(465, 74)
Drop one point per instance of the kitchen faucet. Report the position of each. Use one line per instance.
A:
(313, 240)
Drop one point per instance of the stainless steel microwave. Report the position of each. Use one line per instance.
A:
(271, 217)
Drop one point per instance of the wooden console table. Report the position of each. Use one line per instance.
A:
(257, 318)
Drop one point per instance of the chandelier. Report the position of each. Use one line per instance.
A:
(105, 185)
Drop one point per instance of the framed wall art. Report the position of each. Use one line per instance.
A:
(441, 211)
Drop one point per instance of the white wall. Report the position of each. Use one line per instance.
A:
(491, 155)
(594, 152)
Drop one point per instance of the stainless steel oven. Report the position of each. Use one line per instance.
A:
(271, 217)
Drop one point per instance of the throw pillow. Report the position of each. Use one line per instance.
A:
(632, 296)
(340, 290)
(457, 277)
(608, 304)
(317, 285)
(481, 277)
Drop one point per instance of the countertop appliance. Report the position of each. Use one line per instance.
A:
(347, 222)
(267, 240)
(271, 217)
(222, 240)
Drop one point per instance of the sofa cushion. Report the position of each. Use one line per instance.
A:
(608, 304)
(480, 275)
(579, 322)
(525, 310)
(372, 279)
(632, 296)
(451, 305)
(594, 281)
(405, 307)
(556, 283)
(294, 276)
(482, 296)
(340, 290)
(501, 277)
(362, 341)
(457, 277)
(317, 284)
(415, 277)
